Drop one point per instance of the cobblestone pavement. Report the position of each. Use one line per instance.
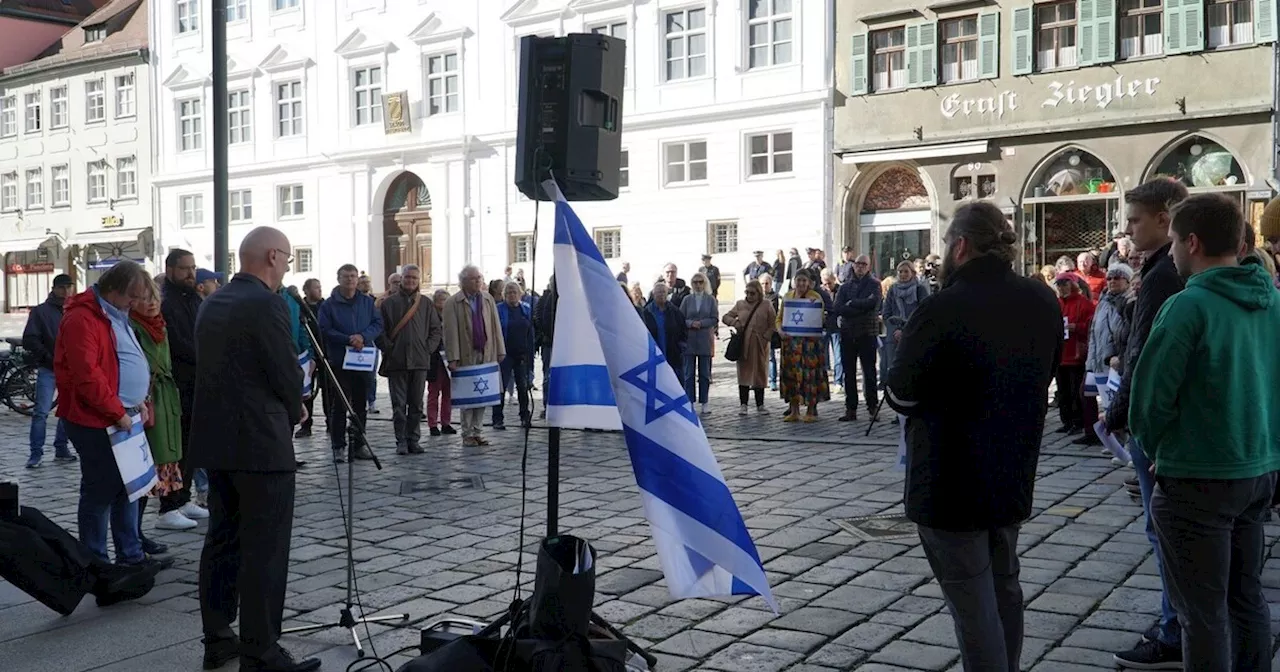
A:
(437, 535)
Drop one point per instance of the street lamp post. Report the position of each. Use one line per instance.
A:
(220, 137)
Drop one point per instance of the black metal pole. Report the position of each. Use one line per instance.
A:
(220, 137)
(553, 481)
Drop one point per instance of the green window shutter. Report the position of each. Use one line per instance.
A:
(989, 45)
(913, 55)
(859, 78)
(928, 49)
(1104, 31)
(1173, 27)
(1264, 21)
(1192, 25)
(1023, 49)
(1086, 31)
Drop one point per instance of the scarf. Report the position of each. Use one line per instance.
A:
(478, 336)
(153, 325)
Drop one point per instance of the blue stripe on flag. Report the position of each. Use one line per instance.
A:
(688, 489)
(487, 400)
(575, 235)
(803, 330)
(463, 373)
(580, 385)
(119, 436)
(141, 481)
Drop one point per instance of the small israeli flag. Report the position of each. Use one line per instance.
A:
(802, 317)
(477, 386)
(133, 459)
(304, 362)
(614, 374)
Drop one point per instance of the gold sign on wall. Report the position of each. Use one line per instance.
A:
(112, 222)
(395, 113)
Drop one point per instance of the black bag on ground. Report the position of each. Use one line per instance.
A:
(553, 633)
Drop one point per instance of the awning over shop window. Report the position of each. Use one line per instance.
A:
(104, 237)
(22, 244)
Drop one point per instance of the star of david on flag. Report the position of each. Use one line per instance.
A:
(608, 373)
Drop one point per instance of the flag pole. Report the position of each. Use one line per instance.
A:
(220, 138)
(553, 481)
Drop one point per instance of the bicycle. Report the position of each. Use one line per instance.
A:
(18, 379)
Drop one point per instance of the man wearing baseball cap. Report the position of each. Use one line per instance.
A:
(208, 282)
(38, 338)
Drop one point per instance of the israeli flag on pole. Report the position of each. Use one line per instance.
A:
(702, 541)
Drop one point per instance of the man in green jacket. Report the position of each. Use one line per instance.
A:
(1205, 409)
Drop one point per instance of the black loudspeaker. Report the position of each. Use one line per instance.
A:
(570, 119)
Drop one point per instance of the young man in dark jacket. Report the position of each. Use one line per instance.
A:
(971, 457)
(1148, 208)
(179, 304)
(39, 338)
(348, 319)
(858, 305)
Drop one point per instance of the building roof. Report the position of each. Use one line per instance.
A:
(125, 23)
(70, 12)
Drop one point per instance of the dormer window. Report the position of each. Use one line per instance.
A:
(95, 34)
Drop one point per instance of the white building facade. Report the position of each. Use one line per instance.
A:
(726, 106)
(75, 156)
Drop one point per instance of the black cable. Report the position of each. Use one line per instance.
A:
(385, 663)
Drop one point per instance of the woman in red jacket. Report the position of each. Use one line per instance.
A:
(1077, 316)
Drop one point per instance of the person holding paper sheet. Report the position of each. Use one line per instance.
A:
(1077, 315)
(348, 320)
(802, 371)
(1107, 331)
(472, 335)
(103, 380)
(971, 457)
(1204, 408)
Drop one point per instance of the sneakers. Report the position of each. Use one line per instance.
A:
(194, 511)
(174, 520)
(1150, 655)
(34, 463)
(759, 408)
(402, 450)
(704, 411)
(65, 457)
(742, 410)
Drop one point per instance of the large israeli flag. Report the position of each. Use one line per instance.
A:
(606, 372)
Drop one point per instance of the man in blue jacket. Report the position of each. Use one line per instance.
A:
(348, 319)
(38, 338)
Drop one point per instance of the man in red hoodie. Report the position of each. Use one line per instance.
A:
(1094, 277)
(103, 380)
(1077, 315)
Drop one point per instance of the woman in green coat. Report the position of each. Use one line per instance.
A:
(165, 433)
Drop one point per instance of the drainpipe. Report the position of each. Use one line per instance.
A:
(829, 129)
(1275, 110)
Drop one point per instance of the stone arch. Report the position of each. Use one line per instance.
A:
(1199, 159)
(405, 208)
(904, 185)
(1067, 171)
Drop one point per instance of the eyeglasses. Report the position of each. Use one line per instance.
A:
(288, 258)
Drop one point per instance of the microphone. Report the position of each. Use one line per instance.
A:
(292, 291)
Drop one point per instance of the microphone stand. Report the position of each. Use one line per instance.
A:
(346, 617)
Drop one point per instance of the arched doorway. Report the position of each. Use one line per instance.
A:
(896, 220)
(1070, 205)
(406, 226)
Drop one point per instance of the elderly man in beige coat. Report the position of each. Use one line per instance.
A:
(472, 335)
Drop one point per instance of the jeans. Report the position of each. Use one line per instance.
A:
(354, 384)
(39, 417)
(103, 499)
(697, 369)
(407, 390)
(860, 349)
(978, 574)
(1170, 629)
(1211, 534)
(371, 392)
(773, 368)
(515, 372)
(200, 480)
(832, 356)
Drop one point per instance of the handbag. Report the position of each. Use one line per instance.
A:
(733, 351)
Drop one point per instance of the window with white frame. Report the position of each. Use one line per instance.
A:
(302, 259)
(95, 101)
(239, 117)
(685, 39)
(616, 29)
(1141, 28)
(60, 181)
(1056, 36)
(97, 182)
(190, 125)
(769, 34)
(8, 116)
(237, 10)
(127, 177)
(241, 202)
(124, 96)
(770, 154)
(624, 169)
(722, 237)
(609, 241)
(960, 49)
(366, 95)
(191, 210)
(288, 109)
(1230, 22)
(58, 117)
(9, 191)
(35, 189)
(187, 13)
(888, 59)
(442, 84)
(33, 112)
(282, 5)
(686, 161)
(521, 248)
(289, 201)
(96, 33)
